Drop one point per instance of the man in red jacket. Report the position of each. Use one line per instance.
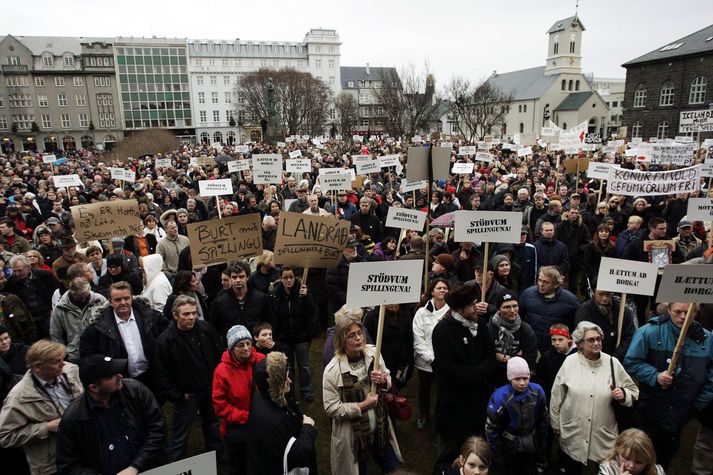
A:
(232, 381)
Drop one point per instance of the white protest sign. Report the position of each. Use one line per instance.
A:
(224, 186)
(360, 158)
(672, 154)
(382, 283)
(637, 183)
(298, 165)
(203, 464)
(462, 168)
(336, 181)
(332, 171)
(467, 150)
(403, 218)
(547, 132)
(281, 144)
(288, 202)
(268, 161)
(683, 139)
(266, 177)
(365, 167)
(686, 283)
(523, 152)
(49, 159)
(488, 226)
(116, 173)
(598, 170)
(389, 161)
(163, 163)
(407, 186)
(295, 154)
(707, 169)
(241, 148)
(630, 277)
(129, 176)
(357, 138)
(700, 209)
(484, 157)
(62, 181)
(235, 166)
(696, 121)
(571, 139)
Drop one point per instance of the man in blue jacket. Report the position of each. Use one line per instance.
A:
(667, 401)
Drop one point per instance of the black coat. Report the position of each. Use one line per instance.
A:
(575, 237)
(552, 253)
(369, 224)
(294, 317)
(397, 342)
(525, 344)
(37, 295)
(609, 324)
(132, 244)
(463, 363)
(336, 280)
(168, 308)
(225, 311)
(79, 439)
(185, 360)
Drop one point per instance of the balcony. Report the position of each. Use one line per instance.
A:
(14, 69)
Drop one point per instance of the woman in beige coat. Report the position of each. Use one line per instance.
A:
(360, 422)
(581, 410)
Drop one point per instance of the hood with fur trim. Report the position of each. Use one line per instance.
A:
(270, 375)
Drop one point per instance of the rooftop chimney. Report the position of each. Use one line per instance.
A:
(367, 69)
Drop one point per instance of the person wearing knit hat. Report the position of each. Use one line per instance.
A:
(236, 334)
(518, 421)
(443, 267)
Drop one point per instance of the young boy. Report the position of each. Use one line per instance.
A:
(262, 334)
(518, 421)
(551, 361)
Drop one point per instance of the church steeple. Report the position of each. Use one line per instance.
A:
(564, 47)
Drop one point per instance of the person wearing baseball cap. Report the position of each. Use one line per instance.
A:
(686, 241)
(116, 426)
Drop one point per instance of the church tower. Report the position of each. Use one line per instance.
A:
(564, 48)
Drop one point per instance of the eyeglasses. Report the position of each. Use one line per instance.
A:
(591, 341)
(355, 335)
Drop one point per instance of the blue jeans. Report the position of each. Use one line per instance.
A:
(184, 413)
(301, 352)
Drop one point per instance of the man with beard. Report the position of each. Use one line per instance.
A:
(300, 205)
(602, 310)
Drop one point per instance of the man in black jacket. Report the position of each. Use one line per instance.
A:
(116, 426)
(188, 352)
(603, 311)
(575, 235)
(239, 305)
(366, 219)
(34, 287)
(550, 251)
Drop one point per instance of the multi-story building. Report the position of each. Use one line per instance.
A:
(612, 92)
(667, 81)
(362, 82)
(215, 68)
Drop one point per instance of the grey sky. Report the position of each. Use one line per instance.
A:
(468, 38)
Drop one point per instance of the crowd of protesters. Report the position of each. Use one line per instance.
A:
(530, 369)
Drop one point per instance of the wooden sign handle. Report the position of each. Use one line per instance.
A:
(681, 339)
(620, 320)
(379, 338)
(305, 271)
(484, 288)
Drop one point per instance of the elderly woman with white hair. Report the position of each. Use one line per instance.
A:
(583, 394)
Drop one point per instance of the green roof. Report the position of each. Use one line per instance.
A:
(574, 101)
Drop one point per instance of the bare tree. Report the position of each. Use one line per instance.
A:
(347, 110)
(408, 100)
(479, 108)
(301, 100)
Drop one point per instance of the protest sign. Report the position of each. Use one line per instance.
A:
(288, 202)
(467, 150)
(224, 186)
(295, 154)
(389, 161)
(637, 183)
(526, 139)
(361, 158)
(576, 164)
(204, 464)
(298, 165)
(686, 283)
(524, 152)
(683, 139)
(266, 177)
(241, 148)
(440, 162)
(218, 241)
(163, 163)
(598, 170)
(129, 176)
(707, 169)
(108, 219)
(62, 181)
(462, 168)
(310, 241)
(489, 226)
(116, 173)
(484, 157)
(407, 186)
(571, 139)
(281, 144)
(235, 166)
(205, 162)
(364, 167)
(268, 161)
(672, 154)
(341, 181)
(49, 159)
(383, 283)
(403, 218)
(631, 277)
(696, 121)
(417, 163)
(700, 209)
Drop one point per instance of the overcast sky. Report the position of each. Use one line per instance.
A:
(470, 38)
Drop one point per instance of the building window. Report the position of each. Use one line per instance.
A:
(46, 121)
(83, 121)
(226, 80)
(698, 91)
(107, 120)
(3, 122)
(59, 81)
(201, 98)
(228, 115)
(571, 46)
(666, 97)
(203, 116)
(330, 63)
(216, 116)
(81, 100)
(39, 81)
(564, 84)
(23, 121)
(107, 61)
(78, 81)
(199, 80)
(571, 83)
(522, 127)
(228, 97)
(662, 130)
(62, 100)
(615, 104)
(640, 96)
(47, 60)
(42, 100)
(20, 100)
(17, 81)
(364, 122)
(556, 48)
(636, 130)
(218, 137)
(68, 61)
(564, 126)
(331, 80)
(13, 60)
(519, 108)
(317, 63)
(214, 97)
(102, 81)
(205, 138)
(66, 123)
(214, 80)
(524, 107)
(576, 85)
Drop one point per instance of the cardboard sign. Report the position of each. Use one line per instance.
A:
(364, 167)
(700, 209)
(417, 163)
(440, 162)
(407, 186)
(49, 159)
(462, 168)
(341, 181)
(524, 152)
(204, 464)
(403, 218)
(631, 277)
(310, 241)
(107, 219)
(298, 165)
(224, 186)
(163, 163)
(488, 226)
(63, 181)
(686, 283)
(527, 139)
(575, 164)
(637, 183)
(295, 154)
(484, 157)
(598, 170)
(235, 166)
(381, 283)
(218, 241)
(389, 161)
(467, 150)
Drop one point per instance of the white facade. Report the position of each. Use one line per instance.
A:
(612, 92)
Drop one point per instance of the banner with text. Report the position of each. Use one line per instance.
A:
(218, 241)
(672, 154)
(637, 183)
(631, 277)
(310, 241)
(407, 186)
(108, 219)
(488, 226)
(383, 283)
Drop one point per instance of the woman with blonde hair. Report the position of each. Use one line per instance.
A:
(36, 260)
(633, 454)
(475, 458)
(265, 273)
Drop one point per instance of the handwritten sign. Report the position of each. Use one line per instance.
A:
(310, 241)
(298, 165)
(700, 209)
(108, 219)
(672, 154)
(488, 226)
(696, 121)
(598, 170)
(403, 218)
(268, 161)
(364, 167)
(462, 168)
(407, 186)
(266, 177)
(389, 161)
(631, 277)
(224, 240)
(63, 181)
(224, 186)
(637, 183)
(49, 159)
(686, 283)
(295, 154)
(382, 283)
